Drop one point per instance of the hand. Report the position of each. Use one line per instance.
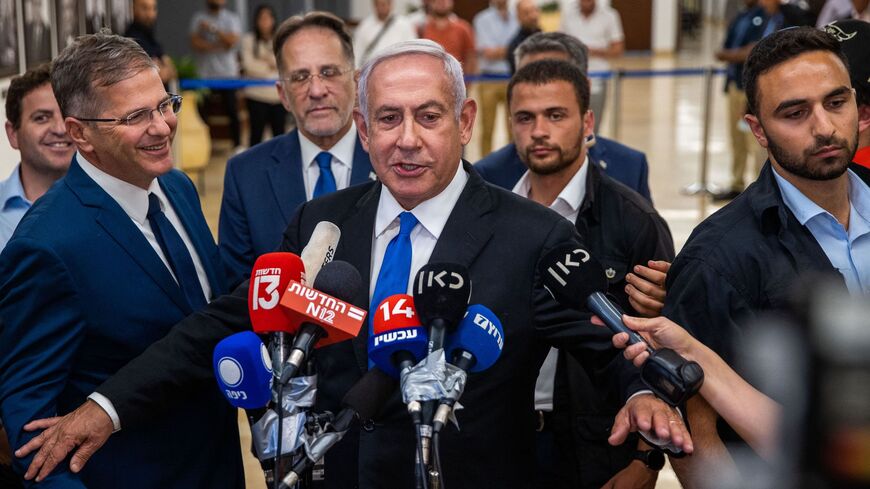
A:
(646, 287)
(647, 413)
(659, 332)
(634, 476)
(87, 428)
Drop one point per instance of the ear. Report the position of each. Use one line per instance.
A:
(282, 95)
(466, 120)
(756, 128)
(361, 128)
(588, 124)
(863, 118)
(78, 132)
(12, 134)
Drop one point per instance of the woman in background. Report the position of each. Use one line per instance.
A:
(258, 61)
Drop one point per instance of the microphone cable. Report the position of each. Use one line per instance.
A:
(436, 461)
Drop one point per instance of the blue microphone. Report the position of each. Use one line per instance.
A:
(477, 342)
(474, 346)
(243, 371)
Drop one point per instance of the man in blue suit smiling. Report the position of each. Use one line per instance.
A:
(101, 267)
(264, 185)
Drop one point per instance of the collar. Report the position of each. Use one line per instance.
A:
(341, 151)
(766, 203)
(432, 214)
(571, 196)
(132, 199)
(800, 205)
(12, 190)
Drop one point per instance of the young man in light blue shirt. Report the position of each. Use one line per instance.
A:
(36, 129)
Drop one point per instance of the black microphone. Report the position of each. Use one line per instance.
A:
(340, 280)
(577, 281)
(441, 293)
(363, 401)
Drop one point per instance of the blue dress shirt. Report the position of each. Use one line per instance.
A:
(13, 205)
(849, 251)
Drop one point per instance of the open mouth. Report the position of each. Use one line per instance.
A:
(154, 147)
(59, 145)
(408, 169)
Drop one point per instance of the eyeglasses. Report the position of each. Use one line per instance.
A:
(145, 116)
(328, 74)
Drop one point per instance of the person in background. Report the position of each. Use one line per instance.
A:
(834, 10)
(448, 30)
(379, 30)
(142, 31)
(599, 27)
(528, 14)
(214, 37)
(258, 61)
(743, 32)
(494, 27)
(35, 128)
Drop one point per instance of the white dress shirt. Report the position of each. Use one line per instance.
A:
(567, 205)
(432, 215)
(342, 160)
(134, 202)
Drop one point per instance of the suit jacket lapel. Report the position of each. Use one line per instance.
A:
(117, 224)
(361, 170)
(470, 224)
(285, 175)
(199, 234)
(355, 246)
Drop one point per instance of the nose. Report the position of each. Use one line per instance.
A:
(162, 124)
(58, 127)
(408, 137)
(540, 128)
(824, 123)
(317, 87)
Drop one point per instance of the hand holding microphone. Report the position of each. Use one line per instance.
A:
(577, 281)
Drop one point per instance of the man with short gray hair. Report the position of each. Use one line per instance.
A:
(103, 266)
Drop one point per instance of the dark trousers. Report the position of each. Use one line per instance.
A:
(231, 107)
(261, 114)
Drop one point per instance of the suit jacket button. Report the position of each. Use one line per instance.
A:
(368, 425)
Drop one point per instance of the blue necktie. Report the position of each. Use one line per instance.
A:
(326, 180)
(176, 254)
(396, 267)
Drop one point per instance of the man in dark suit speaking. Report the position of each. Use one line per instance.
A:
(414, 119)
(264, 185)
(102, 266)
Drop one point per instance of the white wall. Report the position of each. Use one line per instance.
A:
(665, 24)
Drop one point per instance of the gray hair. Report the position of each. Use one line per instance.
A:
(452, 69)
(94, 61)
(543, 42)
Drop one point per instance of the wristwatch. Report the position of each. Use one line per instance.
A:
(653, 459)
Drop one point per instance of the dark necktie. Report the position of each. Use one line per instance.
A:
(326, 180)
(396, 267)
(176, 254)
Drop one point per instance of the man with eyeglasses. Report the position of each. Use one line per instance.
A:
(103, 265)
(264, 185)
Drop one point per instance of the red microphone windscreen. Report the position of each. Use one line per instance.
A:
(270, 276)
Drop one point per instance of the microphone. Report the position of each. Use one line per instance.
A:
(363, 401)
(269, 278)
(441, 294)
(574, 278)
(241, 366)
(399, 340)
(320, 249)
(475, 346)
(324, 314)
